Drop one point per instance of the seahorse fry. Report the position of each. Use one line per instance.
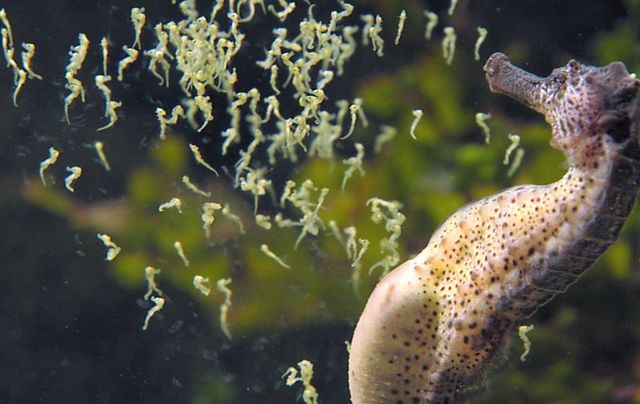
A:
(433, 328)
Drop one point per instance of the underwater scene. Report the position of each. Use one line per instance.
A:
(200, 197)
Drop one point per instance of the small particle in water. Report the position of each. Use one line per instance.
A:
(112, 249)
(202, 284)
(158, 305)
(431, 24)
(263, 221)
(357, 256)
(138, 18)
(200, 160)
(104, 44)
(273, 79)
(309, 394)
(132, 56)
(77, 54)
(353, 111)
(482, 35)
(265, 249)
(522, 333)
(180, 250)
(193, 187)
(449, 44)
(173, 203)
(48, 162)
(371, 31)
(152, 286)
(208, 215)
(223, 286)
(112, 106)
(29, 51)
(401, 20)
(99, 146)
(417, 115)
(387, 133)
(452, 6)
(515, 141)
(176, 113)
(5, 21)
(481, 121)
(515, 164)
(226, 212)
(75, 173)
(354, 164)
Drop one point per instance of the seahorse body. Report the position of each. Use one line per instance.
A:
(434, 326)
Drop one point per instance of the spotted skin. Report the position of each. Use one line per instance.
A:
(436, 324)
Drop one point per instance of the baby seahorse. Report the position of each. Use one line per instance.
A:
(435, 325)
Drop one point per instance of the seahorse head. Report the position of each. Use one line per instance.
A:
(578, 101)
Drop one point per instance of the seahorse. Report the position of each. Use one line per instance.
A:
(435, 326)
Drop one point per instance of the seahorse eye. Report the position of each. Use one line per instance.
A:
(559, 79)
(574, 65)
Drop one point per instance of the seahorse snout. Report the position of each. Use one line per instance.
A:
(505, 78)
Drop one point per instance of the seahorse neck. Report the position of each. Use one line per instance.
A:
(584, 212)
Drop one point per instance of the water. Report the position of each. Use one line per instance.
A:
(72, 322)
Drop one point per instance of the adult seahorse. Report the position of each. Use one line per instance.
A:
(434, 326)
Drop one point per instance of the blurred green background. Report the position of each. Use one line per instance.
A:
(71, 322)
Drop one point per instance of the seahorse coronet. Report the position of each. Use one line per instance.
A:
(433, 327)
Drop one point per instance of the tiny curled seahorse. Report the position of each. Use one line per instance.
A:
(433, 327)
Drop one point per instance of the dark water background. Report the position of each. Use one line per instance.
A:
(70, 323)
